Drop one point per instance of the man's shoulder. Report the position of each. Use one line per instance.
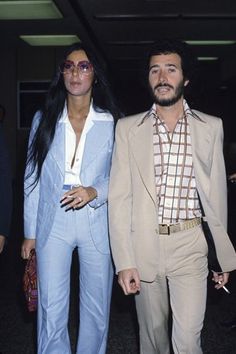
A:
(205, 117)
(133, 119)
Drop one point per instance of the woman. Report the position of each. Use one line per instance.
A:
(65, 206)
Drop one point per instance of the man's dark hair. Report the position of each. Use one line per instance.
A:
(169, 46)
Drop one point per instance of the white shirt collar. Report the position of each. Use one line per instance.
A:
(92, 115)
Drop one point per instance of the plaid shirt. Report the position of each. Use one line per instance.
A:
(174, 173)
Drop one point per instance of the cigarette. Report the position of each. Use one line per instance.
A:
(224, 287)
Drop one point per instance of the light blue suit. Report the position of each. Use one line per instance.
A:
(58, 232)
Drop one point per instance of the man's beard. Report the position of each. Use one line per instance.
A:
(166, 102)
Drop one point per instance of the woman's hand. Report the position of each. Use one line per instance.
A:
(78, 197)
(26, 247)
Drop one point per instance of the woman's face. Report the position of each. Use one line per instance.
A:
(78, 74)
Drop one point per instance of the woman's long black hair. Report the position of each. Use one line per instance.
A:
(54, 105)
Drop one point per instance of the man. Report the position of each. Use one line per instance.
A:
(166, 164)
(5, 191)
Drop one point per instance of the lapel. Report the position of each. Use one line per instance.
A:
(58, 146)
(141, 142)
(201, 141)
(96, 138)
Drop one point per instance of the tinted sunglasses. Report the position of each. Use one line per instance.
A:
(84, 67)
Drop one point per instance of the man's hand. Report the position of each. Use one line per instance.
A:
(220, 279)
(2, 242)
(129, 281)
(232, 178)
(26, 247)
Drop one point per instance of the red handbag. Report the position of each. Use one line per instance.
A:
(30, 282)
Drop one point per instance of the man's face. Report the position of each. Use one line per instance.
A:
(166, 79)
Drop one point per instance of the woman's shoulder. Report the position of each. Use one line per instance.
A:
(37, 117)
(36, 120)
(102, 114)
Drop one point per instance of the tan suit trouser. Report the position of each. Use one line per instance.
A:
(181, 282)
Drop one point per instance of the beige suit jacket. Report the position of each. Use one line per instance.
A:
(133, 209)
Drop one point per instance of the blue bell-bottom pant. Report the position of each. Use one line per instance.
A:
(71, 229)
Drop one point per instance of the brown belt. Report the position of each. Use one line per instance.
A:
(167, 229)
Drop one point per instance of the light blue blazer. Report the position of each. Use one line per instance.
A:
(40, 203)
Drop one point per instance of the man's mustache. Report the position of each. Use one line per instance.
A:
(163, 85)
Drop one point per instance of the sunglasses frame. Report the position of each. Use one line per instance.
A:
(79, 67)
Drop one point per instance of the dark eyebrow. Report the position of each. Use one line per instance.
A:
(175, 66)
(154, 66)
(167, 65)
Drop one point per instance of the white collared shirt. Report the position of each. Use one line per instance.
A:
(72, 173)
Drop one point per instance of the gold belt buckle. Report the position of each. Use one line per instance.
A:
(165, 229)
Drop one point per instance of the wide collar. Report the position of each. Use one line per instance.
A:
(141, 142)
(96, 138)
